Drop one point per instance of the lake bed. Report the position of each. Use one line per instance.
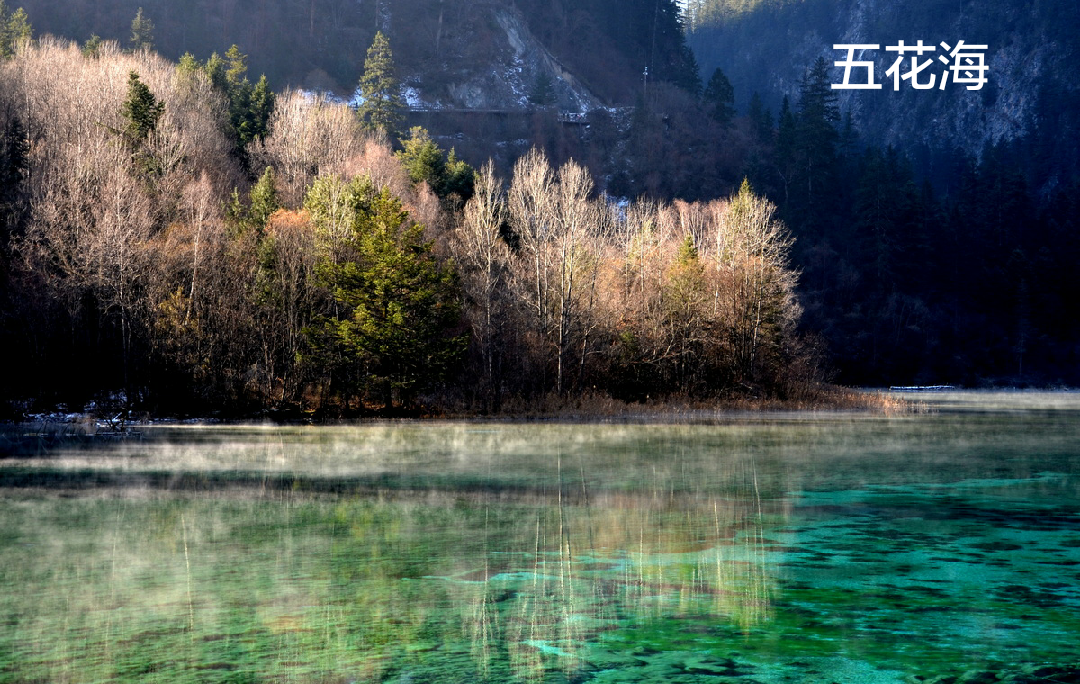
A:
(764, 548)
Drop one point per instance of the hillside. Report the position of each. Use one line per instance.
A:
(934, 230)
(1032, 97)
(462, 54)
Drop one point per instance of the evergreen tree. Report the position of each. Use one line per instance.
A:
(14, 29)
(817, 136)
(398, 330)
(215, 70)
(459, 179)
(657, 26)
(141, 109)
(543, 91)
(250, 106)
(760, 118)
(142, 32)
(235, 67)
(424, 161)
(381, 107)
(261, 107)
(91, 46)
(687, 74)
(720, 98)
(238, 90)
(786, 147)
(264, 201)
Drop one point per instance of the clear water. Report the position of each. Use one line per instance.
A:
(809, 548)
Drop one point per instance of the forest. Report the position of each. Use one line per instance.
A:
(180, 237)
(187, 239)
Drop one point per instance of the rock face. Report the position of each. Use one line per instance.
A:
(519, 73)
(1032, 90)
(532, 64)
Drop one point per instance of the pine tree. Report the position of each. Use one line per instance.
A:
(398, 330)
(785, 147)
(238, 89)
(250, 106)
(215, 71)
(760, 118)
(817, 136)
(543, 90)
(264, 201)
(14, 29)
(381, 107)
(91, 46)
(459, 180)
(141, 109)
(261, 107)
(236, 67)
(424, 161)
(720, 98)
(142, 32)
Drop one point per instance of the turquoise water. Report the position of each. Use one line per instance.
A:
(808, 548)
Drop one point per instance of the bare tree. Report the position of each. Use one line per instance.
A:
(753, 254)
(113, 258)
(289, 298)
(484, 258)
(532, 205)
(576, 248)
(96, 215)
(309, 136)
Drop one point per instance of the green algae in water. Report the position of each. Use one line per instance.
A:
(838, 549)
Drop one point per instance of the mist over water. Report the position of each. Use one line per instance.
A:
(817, 548)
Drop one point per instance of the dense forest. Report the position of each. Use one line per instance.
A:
(187, 239)
(938, 242)
(179, 234)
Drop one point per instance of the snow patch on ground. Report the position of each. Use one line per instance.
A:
(411, 97)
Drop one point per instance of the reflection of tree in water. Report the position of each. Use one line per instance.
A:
(614, 559)
(472, 583)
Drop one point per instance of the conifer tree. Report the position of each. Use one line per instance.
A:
(816, 130)
(543, 91)
(398, 330)
(261, 106)
(760, 118)
(720, 98)
(141, 109)
(215, 71)
(381, 106)
(14, 29)
(424, 161)
(92, 45)
(142, 32)
(264, 200)
(250, 106)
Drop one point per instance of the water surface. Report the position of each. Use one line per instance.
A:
(809, 548)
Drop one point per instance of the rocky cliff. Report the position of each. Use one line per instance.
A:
(517, 72)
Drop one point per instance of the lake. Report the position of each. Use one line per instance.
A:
(941, 545)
